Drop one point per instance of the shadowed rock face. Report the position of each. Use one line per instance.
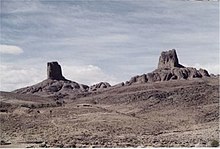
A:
(169, 59)
(54, 71)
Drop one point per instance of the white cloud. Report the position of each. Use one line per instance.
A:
(212, 68)
(87, 74)
(13, 77)
(10, 49)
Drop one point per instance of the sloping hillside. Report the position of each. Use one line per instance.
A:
(174, 113)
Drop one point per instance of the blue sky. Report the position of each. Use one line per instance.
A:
(96, 40)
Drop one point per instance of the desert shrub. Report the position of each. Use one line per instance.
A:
(94, 102)
(59, 103)
(40, 105)
(4, 105)
(214, 143)
(33, 106)
(86, 105)
(3, 110)
(25, 105)
(133, 114)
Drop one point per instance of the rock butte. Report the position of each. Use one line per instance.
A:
(169, 68)
(54, 71)
(169, 59)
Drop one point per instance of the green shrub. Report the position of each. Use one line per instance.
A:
(214, 143)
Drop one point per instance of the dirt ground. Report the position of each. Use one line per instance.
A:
(183, 113)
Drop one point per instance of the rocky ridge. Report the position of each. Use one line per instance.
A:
(57, 85)
(98, 86)
(169, 68)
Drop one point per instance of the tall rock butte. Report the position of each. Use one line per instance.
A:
(54, 71)
(56, 85)
(169, 59)
(169, 68)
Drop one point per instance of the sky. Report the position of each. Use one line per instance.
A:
(110, 41)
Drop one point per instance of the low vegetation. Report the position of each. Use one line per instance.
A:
(215, 143)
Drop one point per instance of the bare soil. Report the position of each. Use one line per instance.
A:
(179, 113)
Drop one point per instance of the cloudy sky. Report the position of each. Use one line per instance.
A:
(96, 40)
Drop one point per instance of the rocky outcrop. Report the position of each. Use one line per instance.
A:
(99, 86)
(50, 87)
(55, 84)
(169, 59)
(169, 68)
(54, 71)
(140, 79)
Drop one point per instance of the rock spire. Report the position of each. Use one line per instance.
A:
(169, 59)
(54, 71)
